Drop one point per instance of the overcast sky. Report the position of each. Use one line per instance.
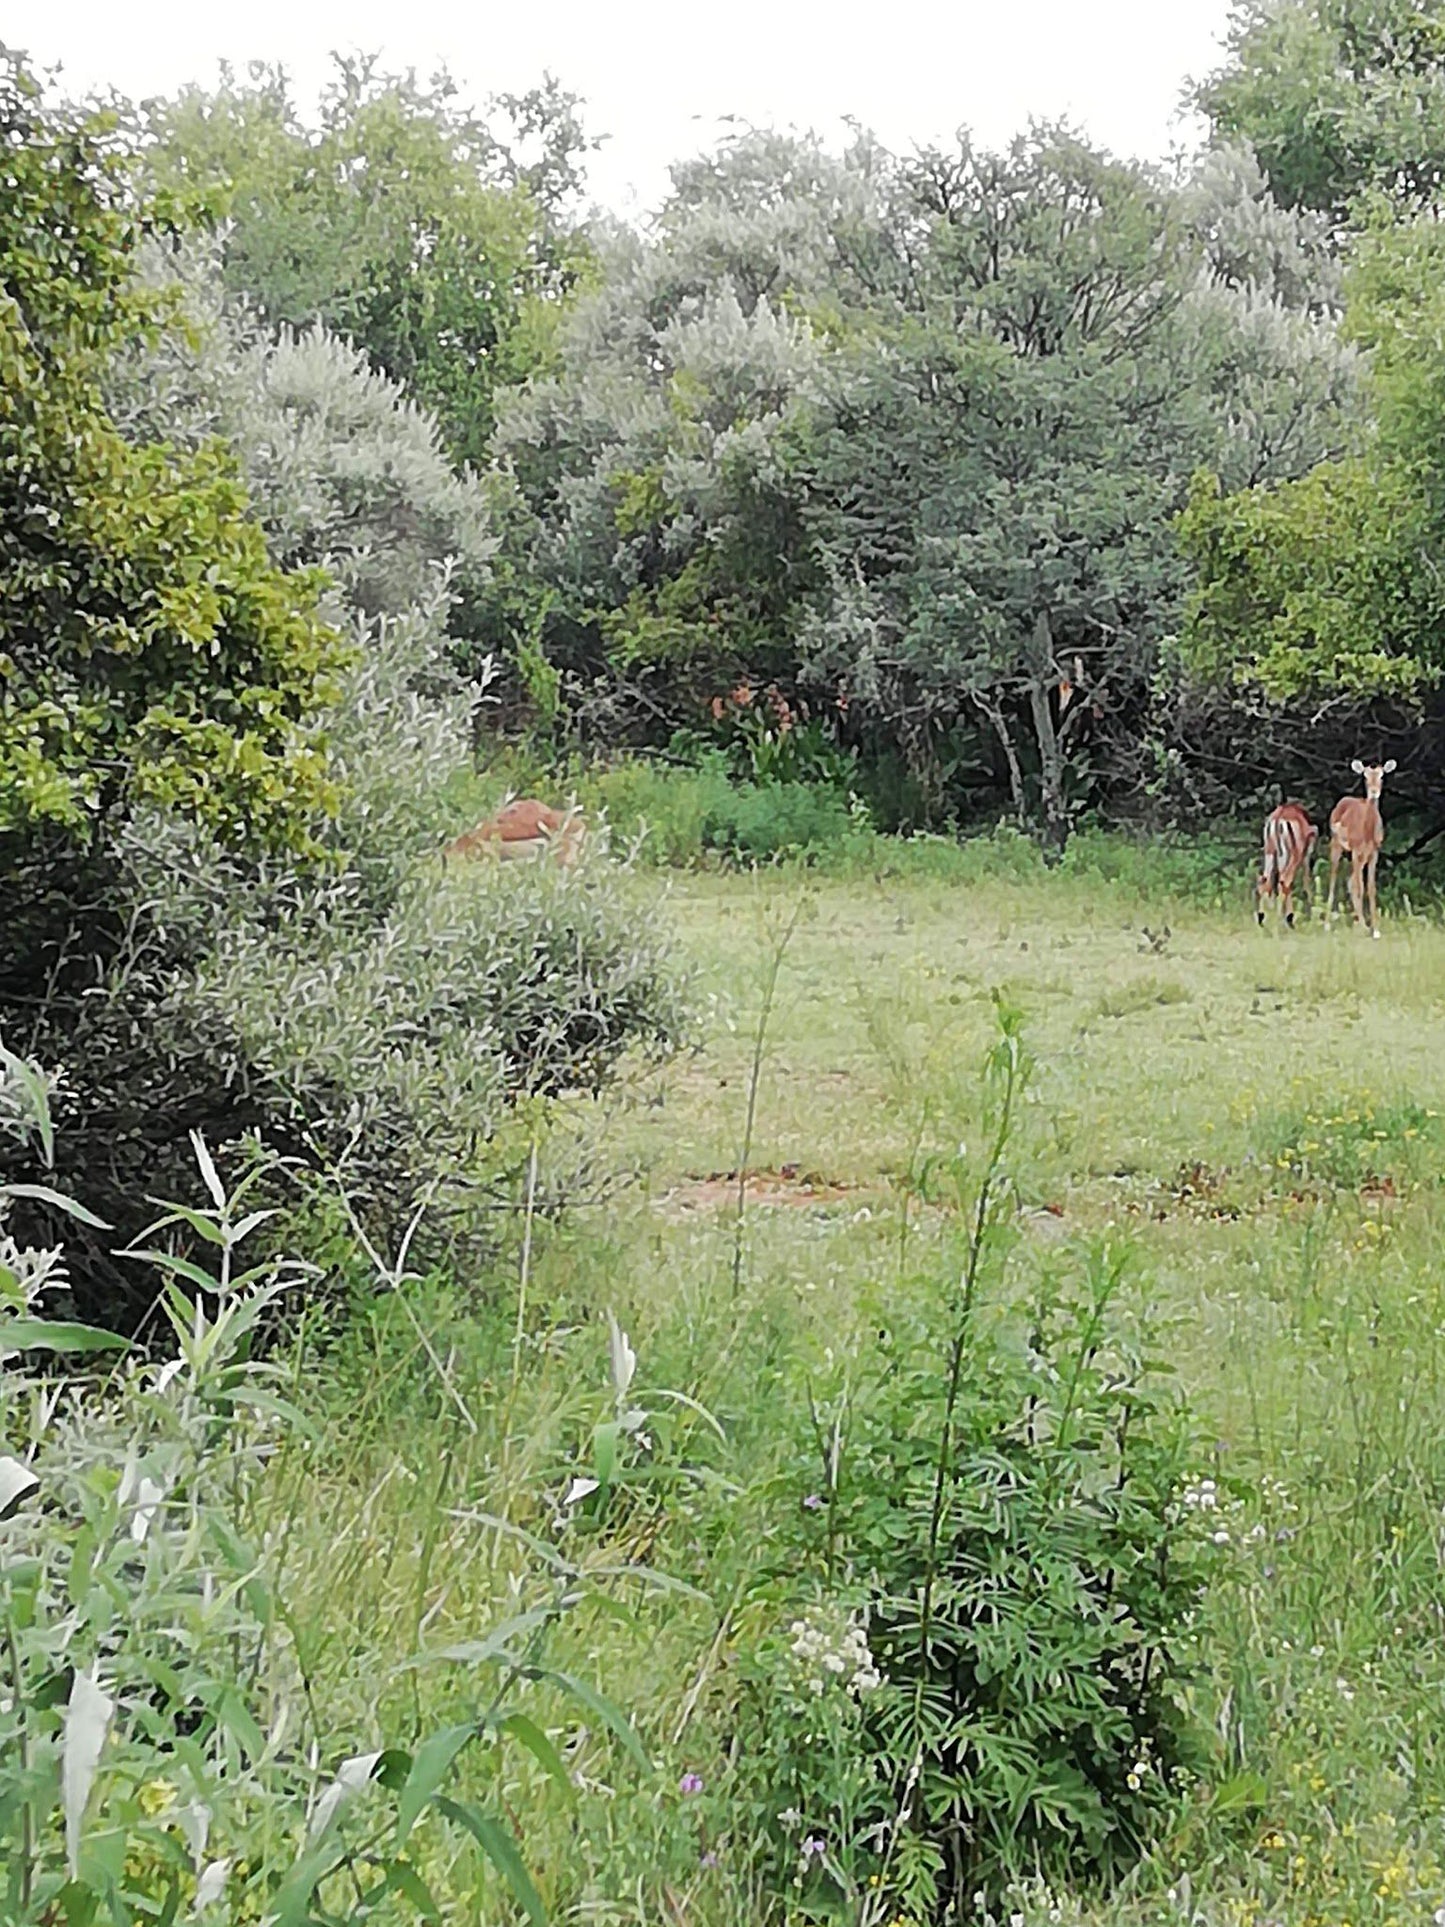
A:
(658, 78)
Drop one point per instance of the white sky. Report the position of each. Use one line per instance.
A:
(658, 77)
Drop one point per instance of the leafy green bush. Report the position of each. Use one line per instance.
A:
(399, 1044)
(161, 1748)
(982, 1679)
(344, 469)
(689, 812)
(757, 821)
(148, 645)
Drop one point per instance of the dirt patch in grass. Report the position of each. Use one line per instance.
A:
(789, 1186)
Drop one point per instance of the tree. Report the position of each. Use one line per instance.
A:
(652, 543)
(1330, 585)
(148, 646)
(1321, 587)
(403, 222)
(343, 469)
(1338, 98)
(991, 483)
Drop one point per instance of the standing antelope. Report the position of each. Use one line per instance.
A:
(1357, 830)
(1289, 844)
(524, 828)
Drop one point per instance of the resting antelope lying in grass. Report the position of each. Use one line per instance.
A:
(524, 828)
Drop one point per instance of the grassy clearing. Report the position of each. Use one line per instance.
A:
(1257, 1115)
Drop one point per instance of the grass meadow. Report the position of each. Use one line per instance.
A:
(1253, 1121)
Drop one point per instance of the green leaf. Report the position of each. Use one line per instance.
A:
(597, 1703)
(233, 1713)
(82, 1559)
(53, 1335)
(273, 1406)
(430, 1766)
(540, 1747)
(43, 1194)
(604, 1451)
(501, 1850)
(167, 1261)
(77, 1901)
(681, 1398)
(1244, 1793)
(497, 1644)
(392, 1768)
(293, 1899)
(403, 1878)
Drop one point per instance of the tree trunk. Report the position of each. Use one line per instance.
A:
(999, 721)
(1051, 756)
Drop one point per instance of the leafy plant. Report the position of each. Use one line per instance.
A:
(159, 1741)
(998, 1498)
(148, 647)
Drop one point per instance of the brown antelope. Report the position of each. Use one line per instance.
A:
(524, 828)
(1357, 830)
(1289, 846)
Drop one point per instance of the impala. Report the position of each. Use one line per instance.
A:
(524, 828)
(1357, 830)
(1289, 844)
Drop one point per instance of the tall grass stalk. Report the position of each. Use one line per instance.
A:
(777, 949)
(1007, 1069)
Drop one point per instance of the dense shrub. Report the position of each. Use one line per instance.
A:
(352, 1005)
(982, 1671)
(149, 648)
(344, 470)
(161, 1755)
(398, 1044)
(688, 812)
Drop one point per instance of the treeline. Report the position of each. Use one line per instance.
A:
(1035, 481)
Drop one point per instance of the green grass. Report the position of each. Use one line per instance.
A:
(1255, 1113)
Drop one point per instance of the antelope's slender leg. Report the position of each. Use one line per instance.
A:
(1335, 854)
(1357, 886)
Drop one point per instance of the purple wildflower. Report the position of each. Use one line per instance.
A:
(709, 1859)
(814, 1501)
(812, 1847)
(690, 1783)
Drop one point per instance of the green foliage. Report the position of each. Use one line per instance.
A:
(684, 814)
(1339, 98)
(1343, 1145)
(991, 493)
(148, 648)
(402, 222)
(999, 1490)
(343, 470)
(400, 1043)
(1322, 585)
(157, 1694)
(1395, 311)
(418, 1010)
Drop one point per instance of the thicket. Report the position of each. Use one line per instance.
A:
(222, 909)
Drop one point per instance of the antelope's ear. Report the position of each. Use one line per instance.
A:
(1389, 766)
(1358, 767)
